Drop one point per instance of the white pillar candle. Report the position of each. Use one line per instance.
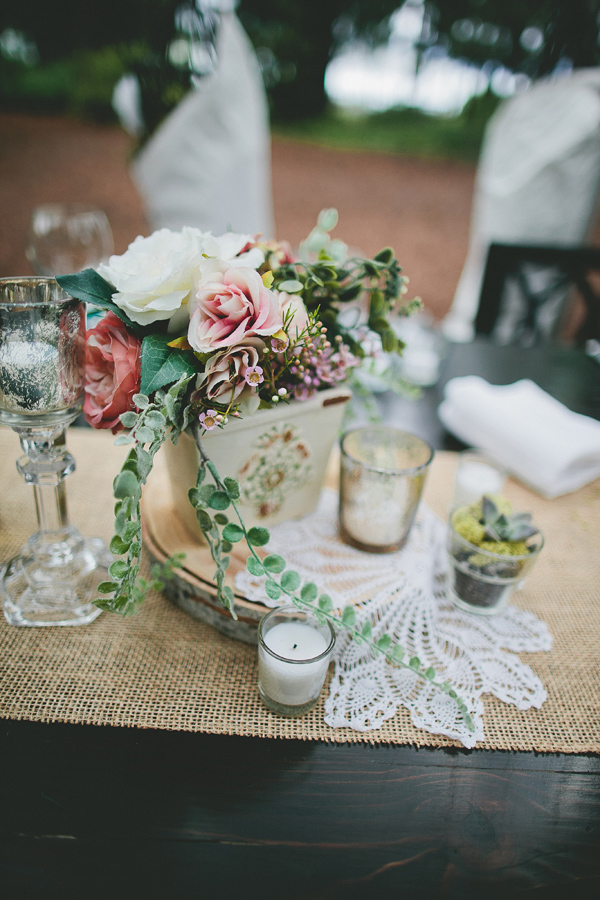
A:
(475, 478)
(293, 676)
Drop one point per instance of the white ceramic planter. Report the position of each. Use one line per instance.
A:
(279, 456)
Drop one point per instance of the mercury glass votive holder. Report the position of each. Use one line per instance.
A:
(294, 650)
(382, 475)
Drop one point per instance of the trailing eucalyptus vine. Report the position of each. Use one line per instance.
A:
(166, 416)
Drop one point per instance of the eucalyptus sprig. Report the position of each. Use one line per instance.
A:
(210, 502)
(166, 416)
(327, 281)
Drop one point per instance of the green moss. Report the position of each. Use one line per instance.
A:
(468, 526)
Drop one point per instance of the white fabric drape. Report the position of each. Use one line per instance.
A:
(208, 164)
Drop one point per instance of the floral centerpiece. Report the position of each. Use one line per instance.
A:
(200, 329)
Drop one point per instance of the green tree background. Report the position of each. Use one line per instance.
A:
(294, 41)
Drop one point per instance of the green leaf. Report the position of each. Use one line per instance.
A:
(128, 419)
(118, 569)
(232, 488)
(384, 642)
(272, 589)
(258, 537)
(414, 662)
(290, 580)
(144, 435)
(233, 533)
(162, 364)
(219, 500)
(397, 653)
(228, 596)
(126, 485)
(155, 419)
(145, 461)
(221, 519)
(93, 288)
(141, 401)
(205, 493)
(389, 341)
(123, 438)
(255, 567)
(291, 286)
(309, 592)
(430, 673)
(328, 219)
(274, 563)
(384, 256)
(366, 631)
(204, 520)
(118, 545)
(348, 616)
(107, 587)
(325, 603)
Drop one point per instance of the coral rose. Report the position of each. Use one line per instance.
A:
(112, 376)
(230, 308)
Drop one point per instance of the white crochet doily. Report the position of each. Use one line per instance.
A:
(403, 594)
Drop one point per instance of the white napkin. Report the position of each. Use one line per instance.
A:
(525, 430)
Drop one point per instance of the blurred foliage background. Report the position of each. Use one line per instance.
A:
(66, 57)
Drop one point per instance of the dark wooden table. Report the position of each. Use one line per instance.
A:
(90, 812)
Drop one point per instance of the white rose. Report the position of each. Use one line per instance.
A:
(154, 277)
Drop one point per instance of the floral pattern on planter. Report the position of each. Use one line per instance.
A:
(279, 467)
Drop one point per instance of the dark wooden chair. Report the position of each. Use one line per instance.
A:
(568, 282)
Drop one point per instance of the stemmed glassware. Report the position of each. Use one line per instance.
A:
(68, 237)
(42, 364)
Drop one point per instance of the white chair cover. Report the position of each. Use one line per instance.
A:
(208, 164)
(537, 182)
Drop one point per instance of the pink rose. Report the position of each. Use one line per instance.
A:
(224, 376)
(112, 375)
(231, 308)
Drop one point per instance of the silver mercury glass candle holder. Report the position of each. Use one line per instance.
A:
(53, 579)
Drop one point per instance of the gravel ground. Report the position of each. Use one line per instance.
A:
(419, 207)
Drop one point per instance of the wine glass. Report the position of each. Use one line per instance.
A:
(54, 578)
(68, 237)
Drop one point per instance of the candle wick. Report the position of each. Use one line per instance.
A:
(294, 647)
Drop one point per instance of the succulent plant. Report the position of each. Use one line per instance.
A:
(490, 550)
(502, 527)
(491, 524)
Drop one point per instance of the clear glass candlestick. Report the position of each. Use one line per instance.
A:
(53, 579)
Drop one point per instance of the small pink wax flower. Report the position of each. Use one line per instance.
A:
(208, 419)
(254, 375)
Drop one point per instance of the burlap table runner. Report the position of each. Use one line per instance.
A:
(161, 669)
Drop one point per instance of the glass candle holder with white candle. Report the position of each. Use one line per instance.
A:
(382, 474)
(294, 650)
(476, 475)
